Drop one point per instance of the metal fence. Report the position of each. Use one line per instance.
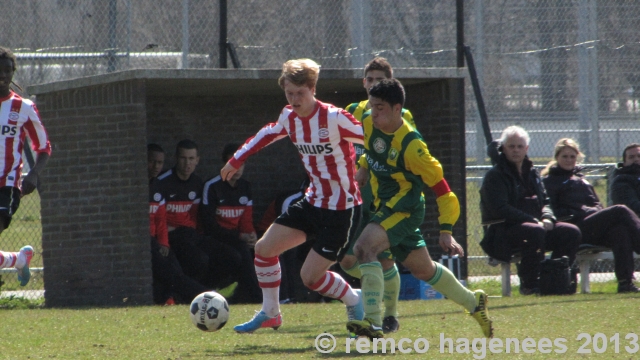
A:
(545, 134)
(545, 64)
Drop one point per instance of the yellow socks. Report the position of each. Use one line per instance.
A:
(446, 283)
(391, 291)
(372, 284)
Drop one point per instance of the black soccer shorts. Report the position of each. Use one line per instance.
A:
(333, 229)
(9, 203)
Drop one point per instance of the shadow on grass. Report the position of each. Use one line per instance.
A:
(578, 298)
(271, 350)
(248, 350)
(527, 302)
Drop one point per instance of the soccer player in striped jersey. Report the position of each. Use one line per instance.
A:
(375, 71)
(323, 135)
(398, 158)
(19, 119)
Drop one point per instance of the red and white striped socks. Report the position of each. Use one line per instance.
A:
(9, 259)
(334, 286)
(268, 272)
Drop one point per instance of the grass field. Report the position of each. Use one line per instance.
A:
(156, 332)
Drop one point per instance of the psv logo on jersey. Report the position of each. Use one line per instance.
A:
(9, 130)
(323, 133)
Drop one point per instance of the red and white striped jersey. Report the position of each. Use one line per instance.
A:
(324, 141)
(18, 118)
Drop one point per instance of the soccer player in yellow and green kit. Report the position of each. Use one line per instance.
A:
(400, 164)
(376, 70)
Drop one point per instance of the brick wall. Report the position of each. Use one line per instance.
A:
(95, 197)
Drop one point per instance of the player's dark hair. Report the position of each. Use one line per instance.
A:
(630, 146)
(187, 145)
(389, 91)
(7, 54)
(228, 151)
(154, 148)
(379, 63)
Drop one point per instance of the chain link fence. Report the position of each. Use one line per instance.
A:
(546, 65)
(558, 68)
(111, 35)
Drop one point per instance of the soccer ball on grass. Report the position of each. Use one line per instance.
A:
(209, 311)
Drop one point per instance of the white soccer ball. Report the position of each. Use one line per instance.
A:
(209, 311)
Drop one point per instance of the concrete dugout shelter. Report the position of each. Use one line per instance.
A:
(94, 191)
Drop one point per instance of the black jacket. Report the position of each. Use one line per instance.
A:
(570, 194)
(625, 186)
(500, 196)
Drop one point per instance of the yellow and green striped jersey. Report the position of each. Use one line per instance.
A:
(400, 164)
(360, 111)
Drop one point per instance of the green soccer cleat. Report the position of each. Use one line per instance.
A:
(481, 313)
(365, 328)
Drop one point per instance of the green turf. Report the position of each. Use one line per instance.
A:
(156, 332)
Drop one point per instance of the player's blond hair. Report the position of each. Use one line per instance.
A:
(300, 72)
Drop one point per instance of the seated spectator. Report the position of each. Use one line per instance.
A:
(616, 227)
(155, 161)
(170, 284)
(625, 182)
(514, 200)
(182, 191)
(226, 216)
